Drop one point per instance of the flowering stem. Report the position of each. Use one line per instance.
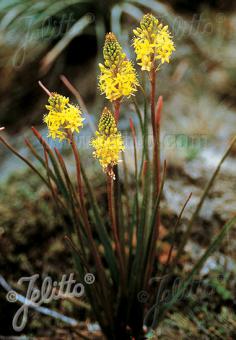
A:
(117, 192)
(156, 136)
(110, 196)
(153, 95)
(100, 268)
(117, 110)
(136, 168)
(126, 186)
(145, 154)
(101, 229)
(44, 88)
(156, 152)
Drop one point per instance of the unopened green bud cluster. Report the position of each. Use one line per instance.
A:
(149, 22)
(107, 123)
(112, 50)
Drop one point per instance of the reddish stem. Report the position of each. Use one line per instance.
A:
(110, 196)
(45, 89)
(157, 123)
(135, 163)
(117, 110)
(156, 136)
(117, 189)
(155, 117)
(158, 111)
(156, 141)
(144, 171)
(152, 96)
(101, 272)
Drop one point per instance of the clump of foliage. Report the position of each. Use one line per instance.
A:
(117, 241)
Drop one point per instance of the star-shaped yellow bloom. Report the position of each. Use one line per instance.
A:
(62, 117)
(153, 43)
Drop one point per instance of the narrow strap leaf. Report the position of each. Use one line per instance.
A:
(25, 160)
(38, 157)
(202, 199)
(213, 246)
(59, 181)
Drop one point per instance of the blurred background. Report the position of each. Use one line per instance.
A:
(42, 40)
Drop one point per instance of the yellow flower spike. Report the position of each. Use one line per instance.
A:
(62, 117)
(118, 78)
(108, 142)
(152, 43)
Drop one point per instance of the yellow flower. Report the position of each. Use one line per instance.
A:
(108, 142)
(62, 117)
(152, 42)
(118, 78)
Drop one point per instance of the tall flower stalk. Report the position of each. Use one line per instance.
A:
(153, 47)
(117, 80)
(116, 239)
